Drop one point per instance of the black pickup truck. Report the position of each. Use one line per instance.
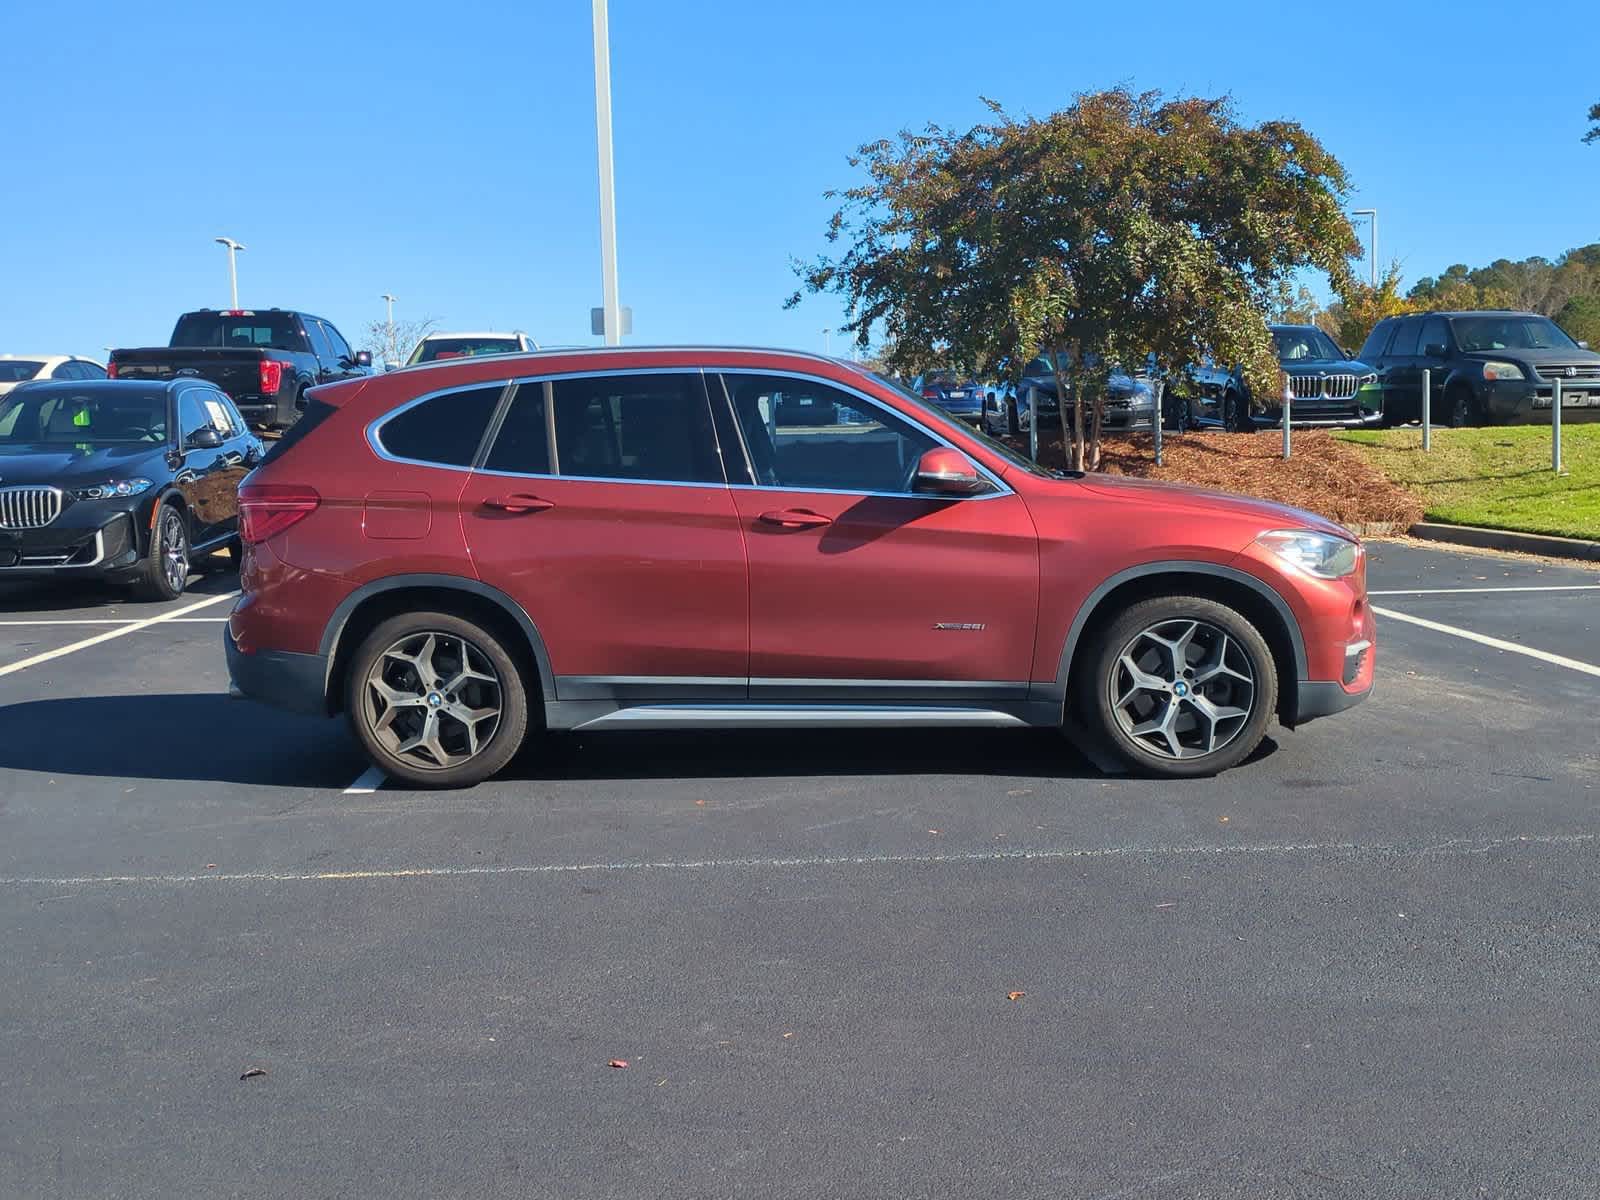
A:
(263, 358)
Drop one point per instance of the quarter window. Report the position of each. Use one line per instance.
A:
(808, 435)
(442, 431)
(643, 427)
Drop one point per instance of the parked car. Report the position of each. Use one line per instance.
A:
(15, 369)
(1130, 401)
(125, 481)
(459, 554)
(958, 395)
(468, 345)
(264, 359)
(1331, 389)
(1486, 368)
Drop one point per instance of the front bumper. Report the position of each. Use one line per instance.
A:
(107, 548)
(296, 683)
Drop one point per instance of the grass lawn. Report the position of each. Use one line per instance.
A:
(1495, 477)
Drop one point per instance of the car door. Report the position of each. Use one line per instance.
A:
(200, 470)
(1433, 353)
(1401, 373)
(344, 361)
(601, 508)
(238, 453)
(327, 358)
(859, 588)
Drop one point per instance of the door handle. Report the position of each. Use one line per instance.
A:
(519, 503)
(795, 518)
(231, 459)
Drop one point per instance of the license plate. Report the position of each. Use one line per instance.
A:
(959, 395)
(805, 402)
(1577, 399)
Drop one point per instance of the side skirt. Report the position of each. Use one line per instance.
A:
(591, 715)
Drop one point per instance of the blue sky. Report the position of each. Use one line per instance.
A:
(446, 152)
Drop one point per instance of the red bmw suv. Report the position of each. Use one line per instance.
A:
(454, 555)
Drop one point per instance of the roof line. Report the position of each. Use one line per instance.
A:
(584, 351)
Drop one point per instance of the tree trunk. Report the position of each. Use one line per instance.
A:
(1097, 418)
(1071, 436)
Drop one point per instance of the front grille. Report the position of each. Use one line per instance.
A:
(29, 507)
(1324, 387)
(1586, 371)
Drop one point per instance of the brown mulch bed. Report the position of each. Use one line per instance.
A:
(1323, 475)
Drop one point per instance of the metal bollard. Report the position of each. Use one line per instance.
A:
(1033, 429)
(1288, 405)
(1427, 409)
(1555, 427)
(1160, 390)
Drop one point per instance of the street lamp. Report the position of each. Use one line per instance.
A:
(608, 195)
(233, 270)
(394, 351)
(1372, 239)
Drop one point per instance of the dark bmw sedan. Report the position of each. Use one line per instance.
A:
(120, 480)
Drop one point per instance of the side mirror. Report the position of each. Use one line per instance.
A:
(1436, 350)
(1583, 345)
(363, 358)
(203, 439)
(946, 472)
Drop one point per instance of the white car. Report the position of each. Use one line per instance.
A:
(19, 368)
(469, 345)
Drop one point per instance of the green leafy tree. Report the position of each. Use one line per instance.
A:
(1594, 133)
(1361, 306)
(1580, 317)
(1122, 225)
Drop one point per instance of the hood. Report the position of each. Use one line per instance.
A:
(1202, 501)
(1326, 366)
(1537, 358)
(68, 466)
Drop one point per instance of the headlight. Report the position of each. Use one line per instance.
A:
(1319, 554)
(1502, 370)
(114, 489)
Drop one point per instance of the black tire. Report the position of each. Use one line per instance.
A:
(1462, 408)
(1236, 413)
(1175, 414)
(164, 573)
(461, 646)
(1243, 651)
(288, 411)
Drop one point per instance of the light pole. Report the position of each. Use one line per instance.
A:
(233, 270)
(1372, 239)
(394, 352)
(827, 342)
(608, 195)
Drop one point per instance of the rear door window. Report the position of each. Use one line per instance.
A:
(1433, 334)
(522, 446)
(443, 430)
(646, 427)
(1405, 339)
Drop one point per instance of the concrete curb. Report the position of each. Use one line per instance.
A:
(1505, 539)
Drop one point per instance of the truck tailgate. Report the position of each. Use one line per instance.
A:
(237, 372)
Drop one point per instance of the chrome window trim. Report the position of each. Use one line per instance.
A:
(1000, 487)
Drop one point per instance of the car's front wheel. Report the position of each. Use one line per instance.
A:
(1178, 686)
(436, 700)
(165, 571)
(1462, 407)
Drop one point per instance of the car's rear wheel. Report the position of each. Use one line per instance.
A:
(1236, 413)
(436, 700)
(1179, 686)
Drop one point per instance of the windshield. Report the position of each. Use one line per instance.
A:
(433, 349)
(16, 370)
(1510, 333)
(58, 417)
(245, 331)
(938, 419)
(1296, 345)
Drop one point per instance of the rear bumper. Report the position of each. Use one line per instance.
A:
(296, 683)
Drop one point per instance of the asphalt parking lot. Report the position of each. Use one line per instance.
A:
(1363, 964)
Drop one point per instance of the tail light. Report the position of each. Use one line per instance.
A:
(111, 370)
(266, 509)
(930, 393)
(271, 377)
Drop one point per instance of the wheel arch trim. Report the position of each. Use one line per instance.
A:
(1091, 605)
(333, 632)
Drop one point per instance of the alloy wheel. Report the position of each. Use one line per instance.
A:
(433, 699)
(1182, 689)
(174, 550)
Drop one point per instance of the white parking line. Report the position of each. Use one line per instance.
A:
(1558, 587)
(1482, 639)
(369, 781)
(1454, 847)
(120, 631)
(117, 621)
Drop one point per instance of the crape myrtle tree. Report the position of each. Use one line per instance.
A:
(1124, 225)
